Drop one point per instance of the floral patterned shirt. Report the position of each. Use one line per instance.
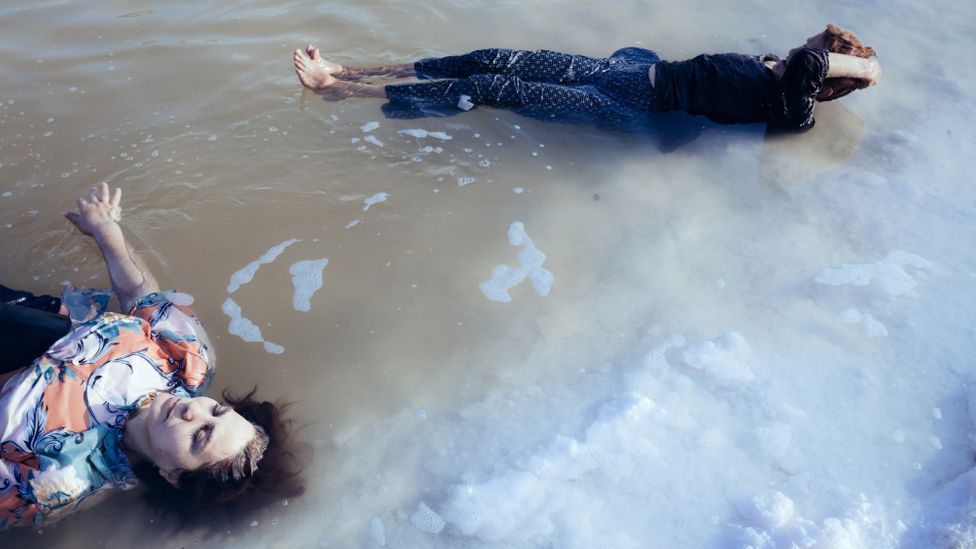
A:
(62, 418)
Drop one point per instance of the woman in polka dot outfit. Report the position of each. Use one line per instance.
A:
(619, 91)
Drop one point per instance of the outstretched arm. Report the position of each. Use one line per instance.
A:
(849, 66)
(98, 218)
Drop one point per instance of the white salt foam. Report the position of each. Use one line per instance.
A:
(465, 181)
(273, 348)
(375, 199)
(243, 328)
(723, 358)
(377, 531)
(464, 103)
(352, 223)
(419, 133)
(426, 520)
(246, 274)
(369, 126)
(889, 272)
(504, 278)
(871, 327)
(240, 326)
(770, 521)
(372, 139)
(306, 277)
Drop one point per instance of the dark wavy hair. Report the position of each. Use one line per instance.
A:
(839, 40)
(213, 495)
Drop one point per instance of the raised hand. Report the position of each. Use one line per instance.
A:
(100, 212)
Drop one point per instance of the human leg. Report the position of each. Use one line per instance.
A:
(549, 102)
(29, 325)
(532, 66)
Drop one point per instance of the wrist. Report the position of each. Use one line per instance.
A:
(108, 233)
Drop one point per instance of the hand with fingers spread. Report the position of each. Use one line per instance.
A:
(100, 212)
(98, 217)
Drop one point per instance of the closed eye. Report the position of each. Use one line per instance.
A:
(218, 410)
(201, 437)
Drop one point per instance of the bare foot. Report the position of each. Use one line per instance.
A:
(314, 71)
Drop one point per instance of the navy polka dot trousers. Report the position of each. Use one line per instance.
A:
(610, 92)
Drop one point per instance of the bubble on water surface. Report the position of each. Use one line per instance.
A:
(465, 181)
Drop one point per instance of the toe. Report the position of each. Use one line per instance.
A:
(313, 52)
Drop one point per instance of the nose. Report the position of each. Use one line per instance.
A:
(187, 412)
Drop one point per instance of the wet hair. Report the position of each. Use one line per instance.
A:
(267, 470)
(838, 40)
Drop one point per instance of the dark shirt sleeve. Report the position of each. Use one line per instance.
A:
(801, 83)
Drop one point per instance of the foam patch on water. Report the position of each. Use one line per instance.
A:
(243, 328)
(464, 103)
(240, 325)
(246, 274)
(377, 531)
(868, 323)
(306, 277)
(369, 126)
(504, 278)
(426, 520)
(889, 273)
(374, 140)
(273, 348)
(375, 199)
(420, 134)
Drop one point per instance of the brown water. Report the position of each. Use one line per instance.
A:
(193, 109)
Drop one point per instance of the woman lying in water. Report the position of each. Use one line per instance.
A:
(617, 91)
(119, 399)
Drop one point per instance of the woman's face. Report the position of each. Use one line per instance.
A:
(185, 434)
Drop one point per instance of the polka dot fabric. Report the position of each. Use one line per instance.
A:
(611, 92)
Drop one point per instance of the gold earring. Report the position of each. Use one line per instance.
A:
(147, 400)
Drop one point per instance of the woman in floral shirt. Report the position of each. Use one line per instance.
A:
(122, 393)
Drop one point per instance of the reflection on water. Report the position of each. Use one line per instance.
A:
(516, 422)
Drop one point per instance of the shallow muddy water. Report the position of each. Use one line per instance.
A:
(746, 340)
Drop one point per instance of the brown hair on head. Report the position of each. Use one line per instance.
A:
(839, 40)
(265, 471)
